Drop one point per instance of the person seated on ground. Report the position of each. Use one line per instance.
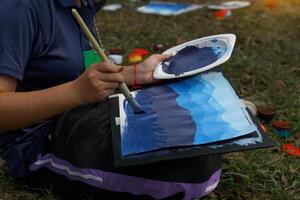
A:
(54, 123)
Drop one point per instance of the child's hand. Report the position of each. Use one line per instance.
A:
(145, 69)
(98, 82)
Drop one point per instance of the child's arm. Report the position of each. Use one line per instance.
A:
(21, 109)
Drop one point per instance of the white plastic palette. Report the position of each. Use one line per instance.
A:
(229, 5)
(224, 41)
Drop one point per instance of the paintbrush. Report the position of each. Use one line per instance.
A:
(123, 87)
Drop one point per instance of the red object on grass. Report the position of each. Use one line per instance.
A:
(283, 128)
(282, 125)
(290, 149)
(142, 52)
(221, 14)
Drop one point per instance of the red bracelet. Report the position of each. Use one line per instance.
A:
(135, 83)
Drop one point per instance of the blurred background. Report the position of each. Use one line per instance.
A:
(264, 69)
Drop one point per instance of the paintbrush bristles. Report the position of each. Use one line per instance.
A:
(89, 35)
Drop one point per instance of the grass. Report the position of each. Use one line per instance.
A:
(264, 69)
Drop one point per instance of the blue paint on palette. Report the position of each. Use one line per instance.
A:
(188, 112)
(191, 58)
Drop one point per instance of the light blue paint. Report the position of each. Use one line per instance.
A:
(208, 113)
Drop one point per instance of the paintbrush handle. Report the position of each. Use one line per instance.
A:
(89, 35)
(123, 87)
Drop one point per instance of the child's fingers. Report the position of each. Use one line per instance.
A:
(163, 57)
(111, 77)
(107, 68)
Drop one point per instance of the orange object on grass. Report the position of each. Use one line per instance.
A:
(271, 3)
(263, 127)
(290, 149)
(134, 58)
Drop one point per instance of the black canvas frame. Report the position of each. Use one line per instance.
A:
(179, 152)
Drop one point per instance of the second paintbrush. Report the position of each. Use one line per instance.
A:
(123, 87)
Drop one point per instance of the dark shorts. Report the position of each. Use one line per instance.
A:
(77, 161)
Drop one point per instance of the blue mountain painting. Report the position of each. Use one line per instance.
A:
(199, 110)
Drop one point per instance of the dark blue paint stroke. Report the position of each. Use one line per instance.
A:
(156, 128)
(191, 58)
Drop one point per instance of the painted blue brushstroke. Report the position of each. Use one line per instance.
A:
(191, 58)
(199, 110)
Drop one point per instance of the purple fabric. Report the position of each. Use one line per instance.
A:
(124, 183)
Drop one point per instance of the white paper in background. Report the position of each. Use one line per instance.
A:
(112, 7)
(231, 5)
